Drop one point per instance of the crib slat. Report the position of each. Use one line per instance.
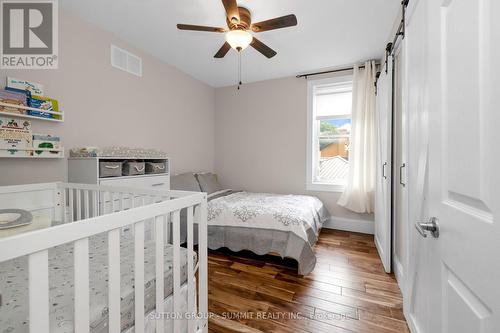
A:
(63, 204)
(152, 224)
(78, 205)
(95, 203)
(190, 268)
(100, 200)
(107, 203)
(203, 263)
(168, 226)
(39, 291)
(160, 280)
(132, 200)
(139, 277)
(120, 196)
(86, 203)
(176, 230)
(71, 203)
(81, 255)
(114, 280)
(112, 201)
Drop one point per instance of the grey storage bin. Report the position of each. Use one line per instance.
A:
(132, 168)
(110, 169)
(156, 167)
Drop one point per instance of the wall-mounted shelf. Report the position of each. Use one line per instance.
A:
(18, 115)
(61, 151)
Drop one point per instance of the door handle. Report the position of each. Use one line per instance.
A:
(401, 174)
(383, 170)
(431, 227)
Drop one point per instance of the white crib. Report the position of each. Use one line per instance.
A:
(86, 211)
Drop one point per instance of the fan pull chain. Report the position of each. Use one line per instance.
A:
(239, 70)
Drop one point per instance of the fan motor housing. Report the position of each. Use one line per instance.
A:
(245, 20)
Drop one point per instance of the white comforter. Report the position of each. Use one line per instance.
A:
(290, 213)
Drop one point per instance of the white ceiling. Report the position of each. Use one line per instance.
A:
(330, 33)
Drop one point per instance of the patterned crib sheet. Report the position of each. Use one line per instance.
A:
(14, 285)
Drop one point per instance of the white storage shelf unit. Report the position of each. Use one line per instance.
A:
(86, 170)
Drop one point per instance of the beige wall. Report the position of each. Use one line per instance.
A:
(269, 120)
(164, 109)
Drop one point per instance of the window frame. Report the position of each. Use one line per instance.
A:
(312, 158)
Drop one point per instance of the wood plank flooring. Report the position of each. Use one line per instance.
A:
(348, 291)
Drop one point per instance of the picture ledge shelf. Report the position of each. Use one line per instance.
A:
(61, 151)
(18, 115)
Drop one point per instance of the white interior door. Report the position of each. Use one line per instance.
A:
(383, 178)
(400, 139)
(454, 286)
(465, 183)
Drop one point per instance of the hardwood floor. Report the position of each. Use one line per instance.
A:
(347, 292)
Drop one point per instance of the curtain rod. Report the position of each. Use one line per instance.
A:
(388, 50)
(331, 71)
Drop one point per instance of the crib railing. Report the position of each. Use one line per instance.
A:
(88, 210)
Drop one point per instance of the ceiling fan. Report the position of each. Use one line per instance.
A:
(239, 22)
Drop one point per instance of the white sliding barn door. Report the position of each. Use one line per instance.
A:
(383, 177)
(422, 294)
(451, 48)
(400, 165)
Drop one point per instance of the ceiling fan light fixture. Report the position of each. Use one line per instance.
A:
(239, 39)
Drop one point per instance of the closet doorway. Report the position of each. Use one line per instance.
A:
(400, 166)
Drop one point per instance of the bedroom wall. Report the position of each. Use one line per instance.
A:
(164, 109)
(260, 140)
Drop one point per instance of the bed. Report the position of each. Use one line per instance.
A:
(75, 267)
(287, 225)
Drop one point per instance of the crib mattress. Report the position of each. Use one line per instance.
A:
(14, 285)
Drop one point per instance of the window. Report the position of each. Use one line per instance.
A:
(329, 122)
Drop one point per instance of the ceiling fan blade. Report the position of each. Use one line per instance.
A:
(263, 48)
(223, 50)
(232, 12)
(199, 28)
(275, 23)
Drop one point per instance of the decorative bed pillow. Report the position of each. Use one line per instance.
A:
(185, 182)
(208, 182)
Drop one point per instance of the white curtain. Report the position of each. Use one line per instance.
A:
(359, 193)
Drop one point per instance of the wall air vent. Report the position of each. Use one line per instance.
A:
(126, 61)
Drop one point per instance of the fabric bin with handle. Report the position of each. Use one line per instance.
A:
(155, 167)
(110, 169)
(132, 168)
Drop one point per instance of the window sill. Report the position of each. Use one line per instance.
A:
(325, 187)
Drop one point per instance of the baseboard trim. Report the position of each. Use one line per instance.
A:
(381, 254)
(398, 273)
(412, 324)
(347, 224)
